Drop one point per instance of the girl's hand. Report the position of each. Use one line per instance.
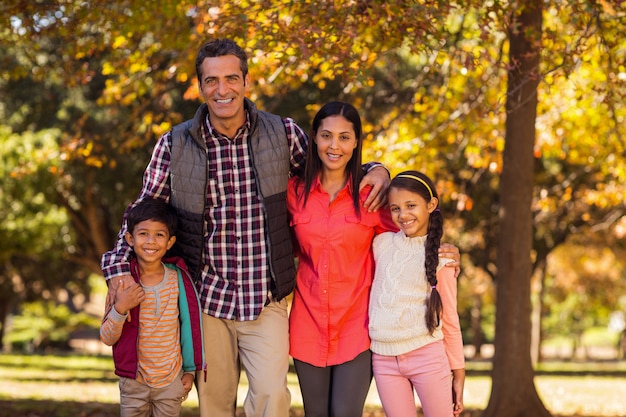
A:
(458, 382)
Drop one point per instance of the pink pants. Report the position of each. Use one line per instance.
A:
(427, 370)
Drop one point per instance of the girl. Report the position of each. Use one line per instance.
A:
(414, 326)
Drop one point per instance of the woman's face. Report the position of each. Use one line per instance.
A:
(336, 142)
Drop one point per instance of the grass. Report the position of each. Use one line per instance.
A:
(85, 386)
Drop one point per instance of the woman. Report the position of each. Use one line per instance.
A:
(328, 322)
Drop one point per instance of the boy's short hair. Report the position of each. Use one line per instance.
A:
(155, 210)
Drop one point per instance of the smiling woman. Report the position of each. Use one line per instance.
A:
(327, 322)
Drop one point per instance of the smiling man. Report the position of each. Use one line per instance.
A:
(223, 87)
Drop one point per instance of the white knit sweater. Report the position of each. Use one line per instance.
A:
(397, 307)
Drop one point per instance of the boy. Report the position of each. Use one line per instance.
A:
(154, 324)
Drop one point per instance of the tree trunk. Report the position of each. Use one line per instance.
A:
(4, 312)
(477, 331)
(513, 392)
(538, 311)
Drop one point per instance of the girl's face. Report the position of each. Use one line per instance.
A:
(150, 240)
(410, 211)
(336, 142)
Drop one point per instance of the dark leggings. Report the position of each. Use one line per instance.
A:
(335, 391)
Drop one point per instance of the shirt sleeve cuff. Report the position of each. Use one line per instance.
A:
(116, 270)
(117, 317)
(371, 165)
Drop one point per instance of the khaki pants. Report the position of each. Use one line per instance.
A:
(140, 400)
(262, 347)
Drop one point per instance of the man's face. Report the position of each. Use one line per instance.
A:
(223, 88)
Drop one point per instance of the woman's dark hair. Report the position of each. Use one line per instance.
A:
(313, 164)
(418, 183)
(221, 47)
(155, 210)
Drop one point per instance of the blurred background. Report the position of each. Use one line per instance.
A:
(87, 87)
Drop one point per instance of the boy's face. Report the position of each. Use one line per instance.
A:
(150, 240)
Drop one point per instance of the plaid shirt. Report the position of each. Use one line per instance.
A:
(236, 276)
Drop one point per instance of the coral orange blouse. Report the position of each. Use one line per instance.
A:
(328, 322)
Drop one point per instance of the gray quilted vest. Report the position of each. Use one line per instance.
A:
(270, 159)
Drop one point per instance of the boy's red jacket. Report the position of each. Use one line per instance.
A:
(190, 316)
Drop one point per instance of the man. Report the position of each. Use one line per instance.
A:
(225, 172)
